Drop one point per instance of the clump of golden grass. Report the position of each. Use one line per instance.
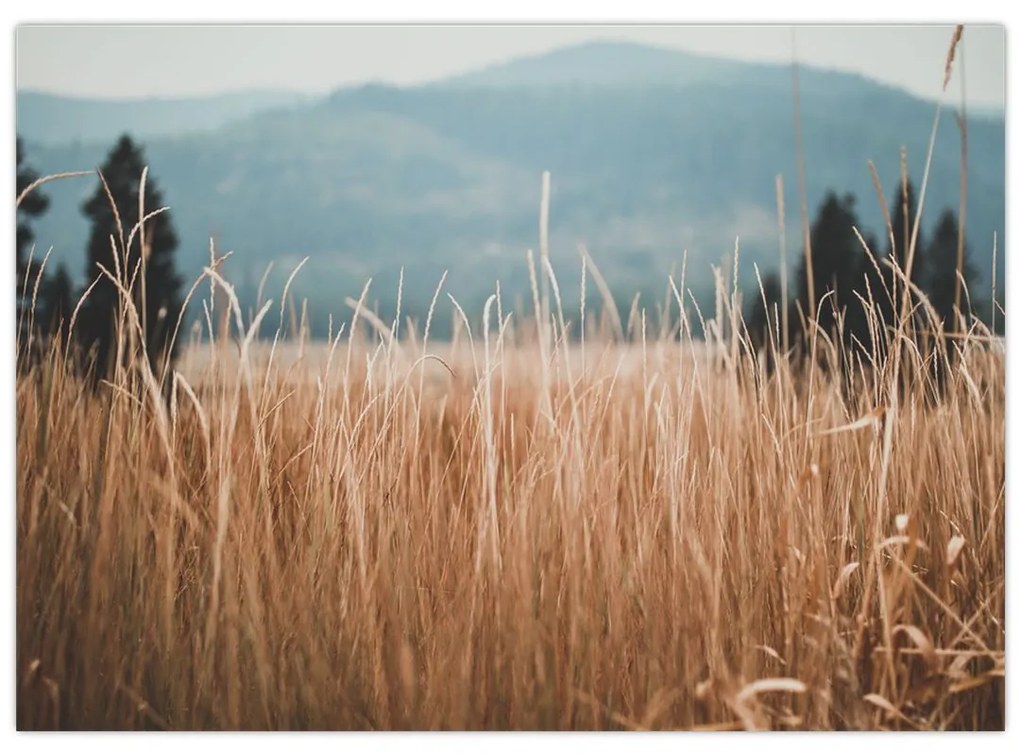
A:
(518, 529)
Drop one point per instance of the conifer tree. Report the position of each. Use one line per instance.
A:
(56, 302)
(33, 205)
(836, 261)
(903, 216)
(942, 259)
(156, 287)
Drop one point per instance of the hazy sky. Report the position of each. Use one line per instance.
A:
(167, 61)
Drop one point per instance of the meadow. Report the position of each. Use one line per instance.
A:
(552, 520)
(534, 525)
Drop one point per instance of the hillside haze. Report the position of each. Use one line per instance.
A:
(652, 153)
(54, 120)
(618, 64)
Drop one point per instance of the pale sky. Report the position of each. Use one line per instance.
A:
(173, 61)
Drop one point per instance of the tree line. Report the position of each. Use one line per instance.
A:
(843, 285)
(138, 255)
(850, 280)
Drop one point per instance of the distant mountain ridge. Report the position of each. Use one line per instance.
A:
(56, 119)
(601, 63)
(610, 63)
(653, 153)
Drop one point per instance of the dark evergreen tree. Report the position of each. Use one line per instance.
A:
(56, 302)
(33, 205)
(942, 259)
(836, 262)
(903, 216)
(156, 293)
(870, 288)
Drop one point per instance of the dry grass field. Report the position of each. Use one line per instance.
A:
(515, 529)
(533, 525)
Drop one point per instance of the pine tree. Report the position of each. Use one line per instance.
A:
(867, 292)
(887, 285)
(836, 261)
(942, 258)
(33, 205)
(156, 294)
(903, 216)
(57, 302)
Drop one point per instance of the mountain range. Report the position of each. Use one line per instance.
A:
(653, 154)
(55, 120)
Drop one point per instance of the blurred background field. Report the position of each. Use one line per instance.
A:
(654, 151)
